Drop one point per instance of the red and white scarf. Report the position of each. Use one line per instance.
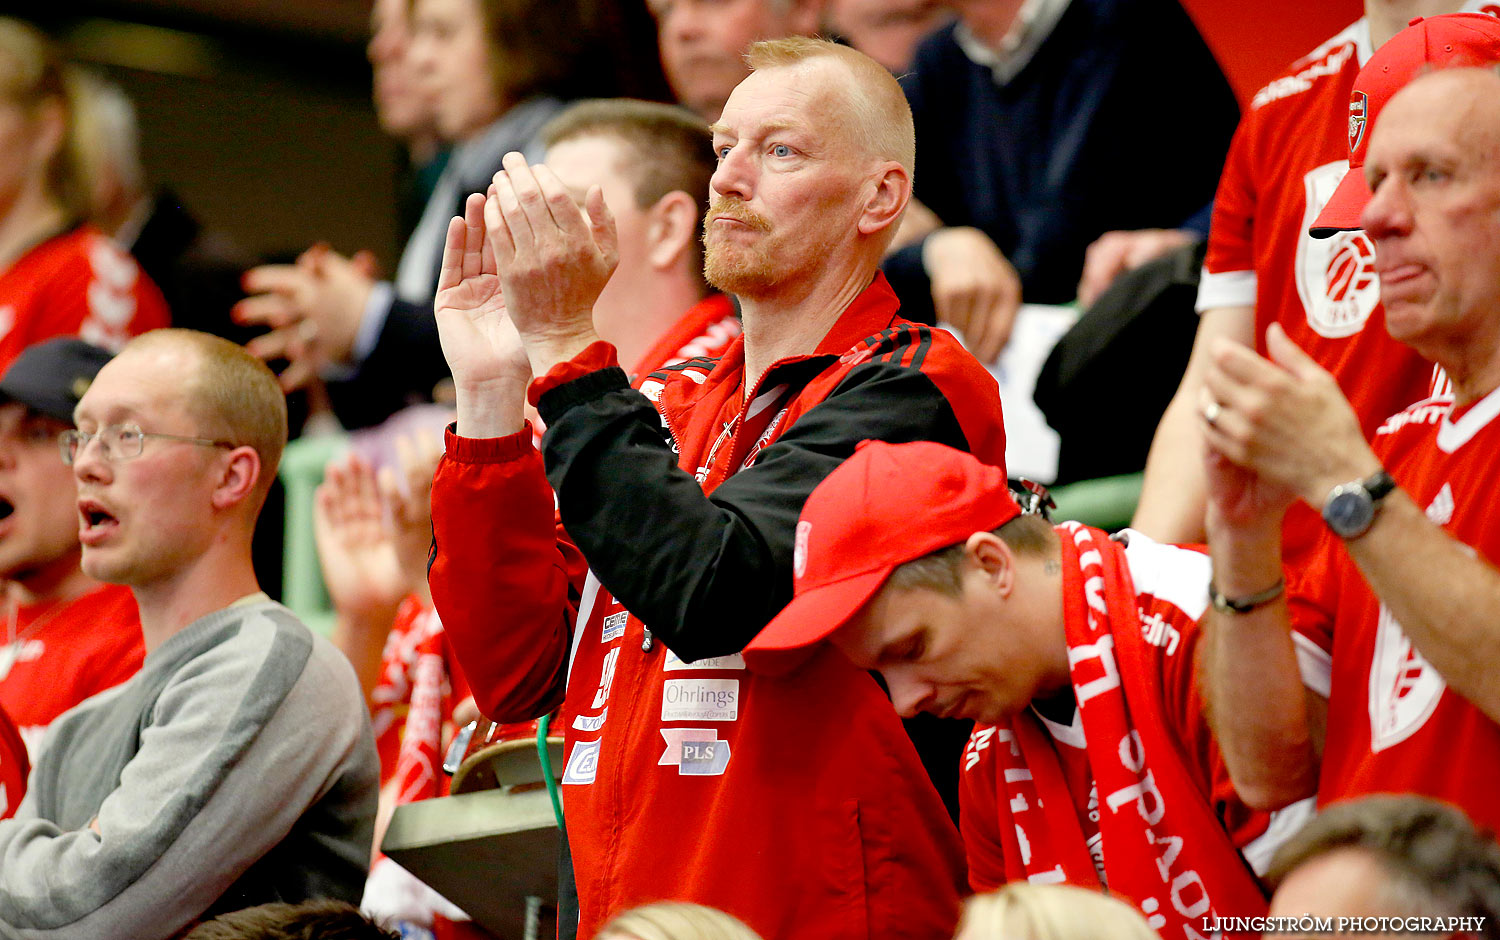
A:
(1164, 849)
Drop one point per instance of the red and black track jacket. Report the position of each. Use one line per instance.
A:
(795, 802)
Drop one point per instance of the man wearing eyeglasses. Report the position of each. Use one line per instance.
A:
(237, 767)
(66, 636)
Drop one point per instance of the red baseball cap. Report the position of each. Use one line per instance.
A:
(886, 505)
(1438, 42)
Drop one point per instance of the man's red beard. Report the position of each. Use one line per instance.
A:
(736, 269)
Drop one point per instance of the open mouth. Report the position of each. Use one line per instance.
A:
(96, 521)
(6, 508)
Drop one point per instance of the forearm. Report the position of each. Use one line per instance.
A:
(1258, 704)
(501, 578)
(1441, 593)
(1174, 491)
(707, 572)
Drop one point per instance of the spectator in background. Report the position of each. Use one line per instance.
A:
(675, 921)
(237, 765)
(404, 108)
(58, 274)
(887, 31)
(67, 636)
(653, 163)
(310, 920)
(197, 269)
(1021, 113)
(1399, 595)
(1024, 911)
(495, 71)
(703, 43)
(1262, 267)
(692, 526)
(1391, 856)
(1077, 650)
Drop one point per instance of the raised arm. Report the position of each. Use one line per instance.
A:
(1173, 495)
(503, 580)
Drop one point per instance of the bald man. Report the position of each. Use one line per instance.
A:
(1397, 604)
(793, 801)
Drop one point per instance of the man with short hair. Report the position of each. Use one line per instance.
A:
(237, 766)
(1400, 858)
(68, 636)
(653, 163)
(1076, 651)
(794, 802)
(1399, 597)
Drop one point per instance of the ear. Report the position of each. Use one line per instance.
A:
(237, 482)
(989, 553)
(51, 128)
(671, 228)
(888, 194)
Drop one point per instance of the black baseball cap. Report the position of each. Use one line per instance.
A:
(51, 376)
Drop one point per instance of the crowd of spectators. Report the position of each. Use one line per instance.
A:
(720, 507)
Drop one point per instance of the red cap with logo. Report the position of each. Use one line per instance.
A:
(1438, 42)
(886, 505)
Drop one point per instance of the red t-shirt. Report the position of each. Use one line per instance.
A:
(1290, 152)
(1393, 724)
(400, 672)
(62, 652)
(78, 283)
(1172, 594)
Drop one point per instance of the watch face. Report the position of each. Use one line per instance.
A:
(1349, 512)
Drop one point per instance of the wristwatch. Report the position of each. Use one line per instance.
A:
(1350, 508)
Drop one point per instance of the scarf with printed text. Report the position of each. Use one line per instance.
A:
(1164, 849)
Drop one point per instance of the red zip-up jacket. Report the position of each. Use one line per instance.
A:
(795, 802)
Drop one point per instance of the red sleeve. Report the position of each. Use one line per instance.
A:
(979, 815)
(591, 358)
(504, 578)
(1229, 264)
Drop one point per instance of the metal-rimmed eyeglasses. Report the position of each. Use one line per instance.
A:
(121, 442)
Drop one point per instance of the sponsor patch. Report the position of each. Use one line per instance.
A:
(614, 627)
(590, 722)
(675, 663)
(695, 752)
(583, 763)
(700, 700)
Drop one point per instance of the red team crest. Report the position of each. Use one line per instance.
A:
(1359, 107)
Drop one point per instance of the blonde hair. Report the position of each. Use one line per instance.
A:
(880, 119)
(1024, 911)
(232, 396)
(675, 920)
(33, 74)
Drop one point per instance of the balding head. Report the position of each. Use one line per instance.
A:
(231, 395)
(875, 116)
(1434, 169)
